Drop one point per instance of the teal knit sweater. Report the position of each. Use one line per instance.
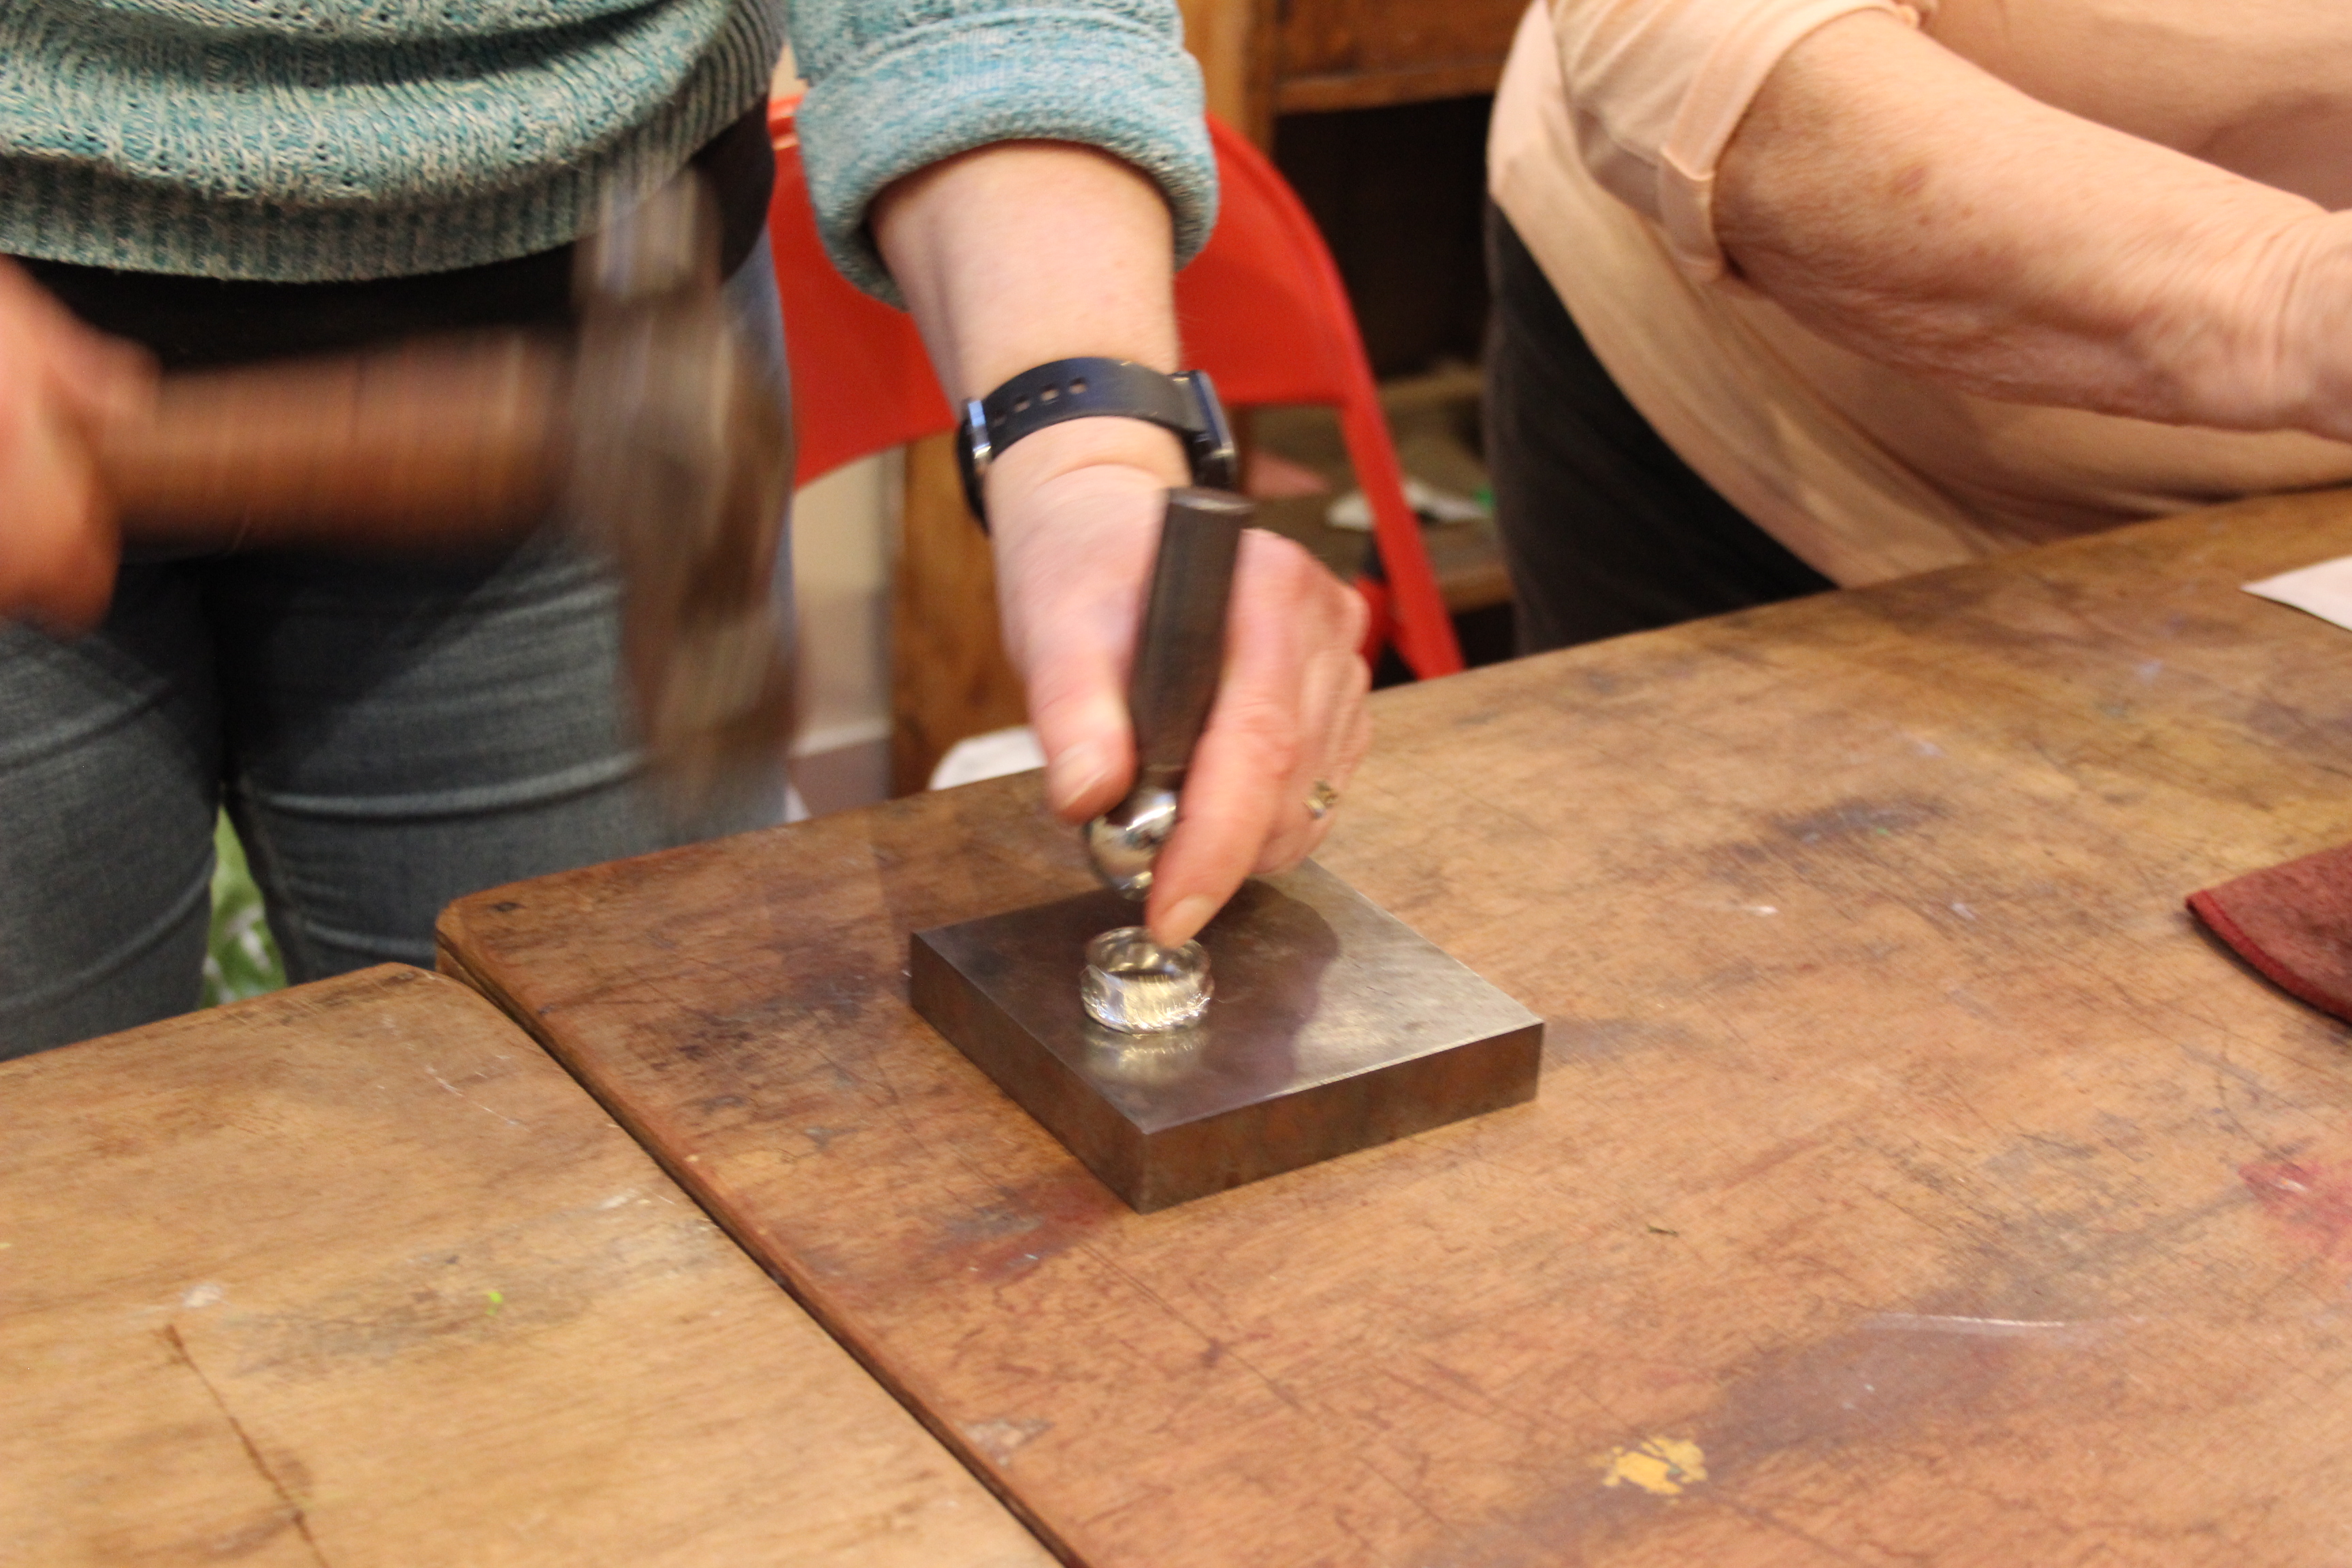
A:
(312, 140)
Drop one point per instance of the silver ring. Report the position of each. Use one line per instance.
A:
(1319, 804)
(1133, 985)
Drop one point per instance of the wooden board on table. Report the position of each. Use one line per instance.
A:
(354, 1274)
(1910, 1183)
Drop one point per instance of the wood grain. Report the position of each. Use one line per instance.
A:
(1910, 1183)
(1393, 51)
(1263, 58)
(1325, 91)
(353, 1274)
(1234, 42)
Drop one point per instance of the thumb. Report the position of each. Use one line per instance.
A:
(1077, 705)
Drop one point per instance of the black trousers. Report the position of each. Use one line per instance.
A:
(1605, 530)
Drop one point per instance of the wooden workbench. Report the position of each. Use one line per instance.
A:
(1910, 1183)
(355, 1275)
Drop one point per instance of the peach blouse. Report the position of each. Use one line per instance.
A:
(1610, 119)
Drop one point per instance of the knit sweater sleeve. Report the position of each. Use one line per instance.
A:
(895, 85)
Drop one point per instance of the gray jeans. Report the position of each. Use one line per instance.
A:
(387, 735)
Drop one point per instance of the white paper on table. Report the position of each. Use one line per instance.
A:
(989, 756)
(2325, 589)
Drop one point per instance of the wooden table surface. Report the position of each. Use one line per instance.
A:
(1910, 1183)
(354, 1274)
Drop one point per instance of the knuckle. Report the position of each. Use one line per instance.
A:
(1284, 852)
(1284, 566)
(1055, 694)
(1268, 736)
(1355, 620)
(1074, 676)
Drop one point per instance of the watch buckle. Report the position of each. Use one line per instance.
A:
(1216, 460)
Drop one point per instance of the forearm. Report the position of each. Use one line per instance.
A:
(1026, 250)
(1030, 251)
(1024, 253)
(1914, 209)
(900, 88)
(1010, 256)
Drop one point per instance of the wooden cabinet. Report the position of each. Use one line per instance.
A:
(1353, 54)
(1264, 58)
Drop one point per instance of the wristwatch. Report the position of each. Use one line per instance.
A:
(1084, 388)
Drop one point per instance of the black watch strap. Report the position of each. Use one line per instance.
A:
(1085, 388)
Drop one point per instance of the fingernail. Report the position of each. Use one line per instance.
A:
(1185, 920)
(1071, 775)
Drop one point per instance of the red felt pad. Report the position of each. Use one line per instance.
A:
(2294, 923)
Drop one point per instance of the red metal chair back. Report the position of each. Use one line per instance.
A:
(861, 380)
(1263, 313)
(1262, 309)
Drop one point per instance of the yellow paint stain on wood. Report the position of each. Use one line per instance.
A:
(1663, 1466)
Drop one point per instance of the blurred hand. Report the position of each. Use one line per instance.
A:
(58, 382)
(1074, 511)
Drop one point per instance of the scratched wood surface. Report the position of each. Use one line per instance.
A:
(355, 1275)
(1910, 1182)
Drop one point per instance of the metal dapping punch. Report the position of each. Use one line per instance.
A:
(1304, 1022)
(1180, 656)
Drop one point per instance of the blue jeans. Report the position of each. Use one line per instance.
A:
(387, 735)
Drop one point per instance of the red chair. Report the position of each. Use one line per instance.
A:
(1261, 310)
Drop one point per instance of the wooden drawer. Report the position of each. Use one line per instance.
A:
(1349, 54)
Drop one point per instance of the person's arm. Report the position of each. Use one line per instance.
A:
(59, 381)
(1020, 253)
(1912, 207)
